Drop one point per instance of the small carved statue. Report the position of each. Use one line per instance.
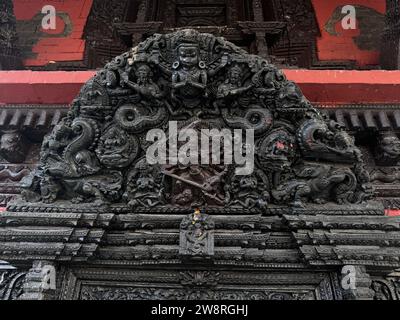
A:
(54, 144)
(196, 235)
(267, 83)
(290, 96)
(277, 150)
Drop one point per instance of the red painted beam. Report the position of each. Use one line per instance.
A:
(392, 213)
(52, 45)
(333, 87)
(348, 87)
(41, 87)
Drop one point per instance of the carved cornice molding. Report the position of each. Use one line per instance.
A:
(267, 27)
(145, 28)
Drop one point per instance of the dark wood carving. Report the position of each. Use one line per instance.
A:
(9, 54)
(11, 281)
(101, 42)
(174, 78)
(390, 51)
(95, 198)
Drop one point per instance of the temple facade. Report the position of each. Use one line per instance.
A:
(85, 216)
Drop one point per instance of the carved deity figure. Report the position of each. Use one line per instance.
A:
(54, 144)
(233, 85)
(145, 85)
(117, 148)
(189, 78)
(196, 235)
(144, 186)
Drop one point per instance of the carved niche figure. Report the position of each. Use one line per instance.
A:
(267, 83)
(251, 191)
(13, 146)
(197, 235)
(144, 186)
(97, 154)
(387, 151)
(277, 150)
(116, 148)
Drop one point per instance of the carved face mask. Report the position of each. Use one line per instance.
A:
(142, 74)
(188, 56)
(235, 76)
(12, 147)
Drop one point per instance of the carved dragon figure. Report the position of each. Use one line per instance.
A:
(136, 118)
(77, 160)
(255, 118)
(315, 182)
(320, 140)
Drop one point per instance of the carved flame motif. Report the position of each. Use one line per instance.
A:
(97, 153)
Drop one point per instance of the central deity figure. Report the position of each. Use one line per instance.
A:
(189, 78)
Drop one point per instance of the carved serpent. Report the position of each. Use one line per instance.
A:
(307, 135)
(345, 191)
(133, 119)
(256, 118)
(80, 160)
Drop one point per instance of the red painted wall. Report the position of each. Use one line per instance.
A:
(47, 49)
(321, 87)
(342, 46)
(71, 48)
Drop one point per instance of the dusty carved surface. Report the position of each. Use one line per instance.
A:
(9, 59)
(96, 155)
